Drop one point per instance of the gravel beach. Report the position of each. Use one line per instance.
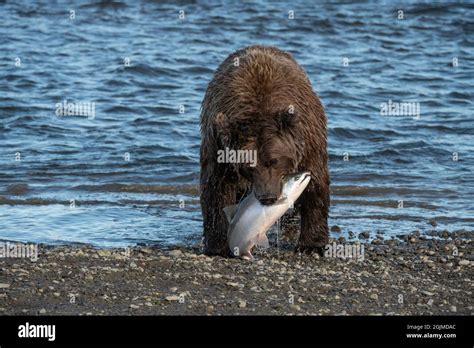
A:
(410, 275)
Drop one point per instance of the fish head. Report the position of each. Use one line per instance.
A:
(294, 185)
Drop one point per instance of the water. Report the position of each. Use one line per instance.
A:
(153, 197)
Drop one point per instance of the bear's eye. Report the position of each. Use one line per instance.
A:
(272, 162)
(297, 177)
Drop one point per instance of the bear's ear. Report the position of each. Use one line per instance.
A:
(287, 118)
(222, 126)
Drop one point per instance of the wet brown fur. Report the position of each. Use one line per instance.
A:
(266, 103)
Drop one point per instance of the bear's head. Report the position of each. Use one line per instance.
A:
(278, 143)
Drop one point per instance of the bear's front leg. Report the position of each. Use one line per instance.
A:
(314, 208)
(215, 196)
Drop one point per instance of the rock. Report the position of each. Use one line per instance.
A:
(427, 293)
(413, 240)
(364, 235)
(4, 286)
(134, 306)
(210, 309)
(242, 303)
(175, 253)
(172, 298)
(133, 265)
(464, 262)
(453, 309)
(376, 241)
(205, 258)
(234, 285)
(42, 311)
(433, 223)
(374, 297)
(104, 252)
(336, 229)
(295, 307)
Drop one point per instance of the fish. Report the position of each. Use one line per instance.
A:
(250, 220)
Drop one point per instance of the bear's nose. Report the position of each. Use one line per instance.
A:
(267, 199)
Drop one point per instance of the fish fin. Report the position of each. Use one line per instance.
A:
(229, 211)
(262, 241)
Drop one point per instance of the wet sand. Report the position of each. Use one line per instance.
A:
(414, 275)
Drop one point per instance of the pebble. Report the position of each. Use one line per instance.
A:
(242, 303)
(295, 307)
(176, 253)
(364, 235)
(134, 306)
(374, 296)
(453, 309)
(4, 286)
(42, 311)
(463, 262)
(172, 298)
(336, 229)
(104, 252)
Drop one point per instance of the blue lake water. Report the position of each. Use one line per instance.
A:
(130, 173)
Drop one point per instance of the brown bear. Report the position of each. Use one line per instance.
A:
(261, 100)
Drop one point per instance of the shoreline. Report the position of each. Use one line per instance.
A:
(414, 275)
